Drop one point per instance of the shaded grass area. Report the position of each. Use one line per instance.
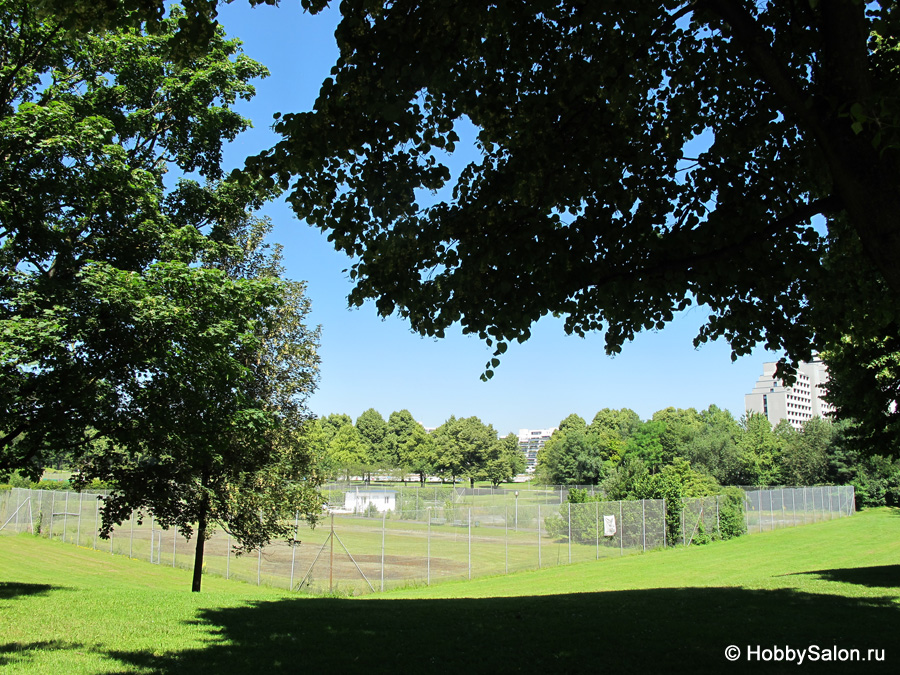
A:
(69, 610)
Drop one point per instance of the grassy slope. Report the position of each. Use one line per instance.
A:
(70, 610)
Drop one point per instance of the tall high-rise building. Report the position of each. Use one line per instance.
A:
(530, 441)
(797, 403)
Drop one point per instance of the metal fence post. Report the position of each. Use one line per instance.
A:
(822, 499)
(643, 528)
(506, 536)
(96, 521)
(621, 531)
(597, 521)
(65, 516)
(782, 507)
(570, 532)
(294, 546)
(428, 550)
(771, 508)
(664, 514)
(52, 509)
(383, 525)
(470, 542)
(718, 524)
(539, 535)
(259, 565)
(78, 529)
(747, 512)
(131, 537)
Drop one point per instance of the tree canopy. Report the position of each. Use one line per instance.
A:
(89, 127)
(145, 327)
(632, 159)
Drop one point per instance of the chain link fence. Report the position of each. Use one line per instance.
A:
(775, 508)
(385, 543)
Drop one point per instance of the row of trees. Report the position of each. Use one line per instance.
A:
(625, 454)
(461, 448)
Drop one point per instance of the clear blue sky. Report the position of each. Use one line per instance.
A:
(368, 362)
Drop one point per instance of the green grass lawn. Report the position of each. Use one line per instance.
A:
(65, 609)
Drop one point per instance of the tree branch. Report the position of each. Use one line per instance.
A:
(799, 215)
(755, 44)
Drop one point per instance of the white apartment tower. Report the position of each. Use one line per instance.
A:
(530, 441)
(797, 403)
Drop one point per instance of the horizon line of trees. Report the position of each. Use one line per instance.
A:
(461, 448)
(625, 455)
(700, 451)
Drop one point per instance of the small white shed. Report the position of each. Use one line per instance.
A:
(358, 500)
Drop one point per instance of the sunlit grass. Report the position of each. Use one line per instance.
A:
(65, 609)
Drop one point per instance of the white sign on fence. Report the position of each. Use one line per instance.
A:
(609, 526)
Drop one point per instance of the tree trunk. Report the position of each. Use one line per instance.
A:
(201, 539)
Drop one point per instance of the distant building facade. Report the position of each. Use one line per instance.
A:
(530, 441)
(358, 501)
(797, 403)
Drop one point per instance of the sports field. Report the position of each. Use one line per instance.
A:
(833, 586)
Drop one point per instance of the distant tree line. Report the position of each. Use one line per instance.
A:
(461, 448)
(684, 452)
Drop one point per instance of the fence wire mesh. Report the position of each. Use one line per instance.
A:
(776, 508)
(452, 535)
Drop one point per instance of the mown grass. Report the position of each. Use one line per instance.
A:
(69, 610)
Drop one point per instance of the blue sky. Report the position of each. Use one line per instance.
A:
(370, 362)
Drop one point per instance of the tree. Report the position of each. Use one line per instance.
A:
(630, 479)
(680, 426)
(578, 454)
(373, 429)
(461, 447)
(557, 464)
(343, 445)
(637, 158)
(646, 443)
(623, 422)
(214, 429)
(407, 446)
(804, 460)
(417, 453)
(864, 386)
(715, 449)
(146, 329)
(504, 461)
(760, 450)
(89, 126)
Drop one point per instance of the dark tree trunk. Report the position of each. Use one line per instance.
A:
(201, 539)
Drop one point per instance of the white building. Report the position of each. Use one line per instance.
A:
(797, 403)
(530, 441)
(358, 501)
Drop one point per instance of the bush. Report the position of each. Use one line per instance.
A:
(732, 520)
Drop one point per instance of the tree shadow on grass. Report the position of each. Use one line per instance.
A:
(878, 576)
(682, 630)
(19, 652)
(12, 589)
